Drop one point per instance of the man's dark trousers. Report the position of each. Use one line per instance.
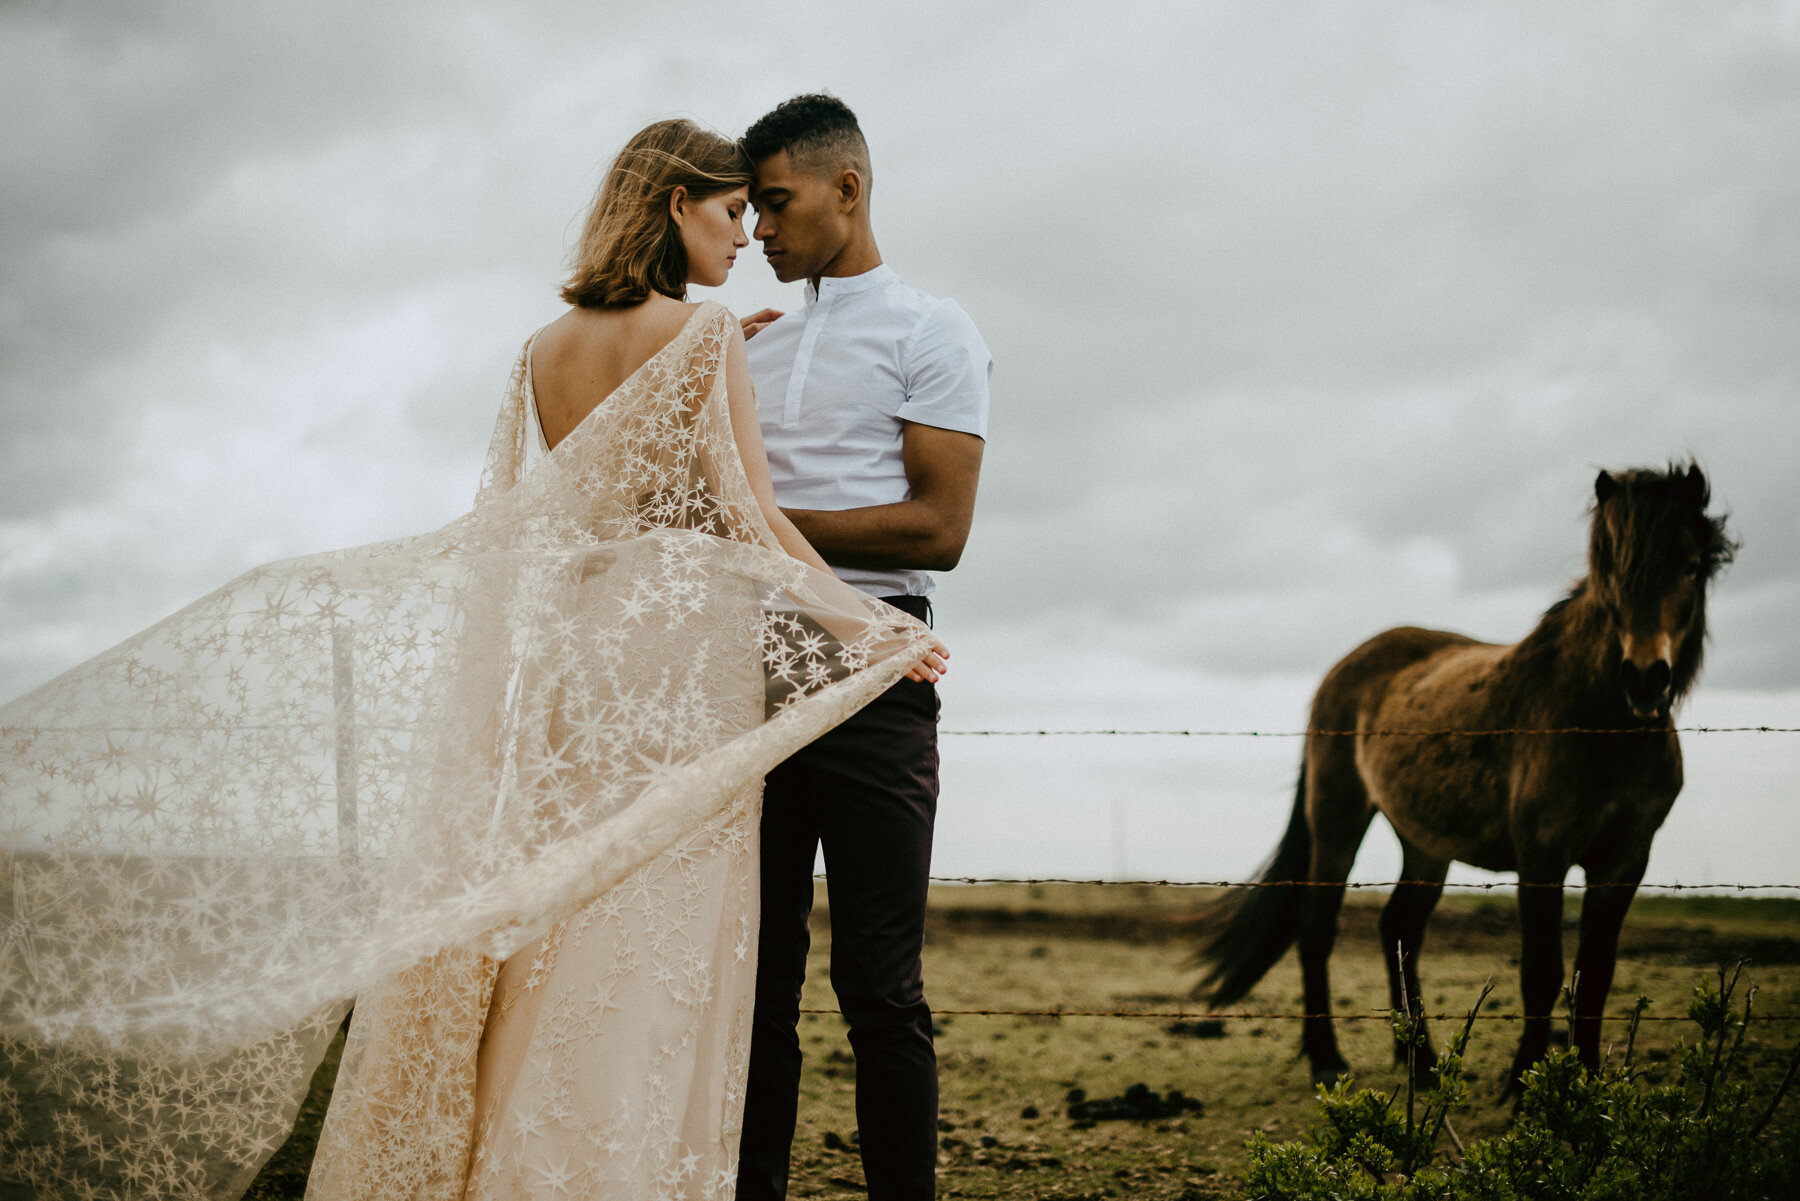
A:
(867, 791)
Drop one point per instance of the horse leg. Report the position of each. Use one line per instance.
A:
(1403, 933)
(1540, 963)
(1318, 931)
(1609, 895)
(1339, 813)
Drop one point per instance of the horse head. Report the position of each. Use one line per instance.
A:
(1652, 552)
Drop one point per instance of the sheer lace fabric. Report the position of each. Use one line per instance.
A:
(615, 1058)
(380, 772)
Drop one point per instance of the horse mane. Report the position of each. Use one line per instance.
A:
(1557, 636)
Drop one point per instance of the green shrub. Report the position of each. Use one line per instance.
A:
(1608, 1136)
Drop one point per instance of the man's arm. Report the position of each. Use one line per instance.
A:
(926, 531)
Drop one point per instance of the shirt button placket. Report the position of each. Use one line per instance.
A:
(815, 321)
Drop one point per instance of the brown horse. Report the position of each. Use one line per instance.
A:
(1616, 654)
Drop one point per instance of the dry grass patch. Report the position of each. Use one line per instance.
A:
(1006, 1081)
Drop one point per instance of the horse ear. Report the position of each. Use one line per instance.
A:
(1604, 486)
(1693, 486)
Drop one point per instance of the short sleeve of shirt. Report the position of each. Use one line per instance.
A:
(947, 367)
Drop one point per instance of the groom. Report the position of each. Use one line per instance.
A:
(874, 403)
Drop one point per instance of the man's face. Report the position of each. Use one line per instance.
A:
(799, 218)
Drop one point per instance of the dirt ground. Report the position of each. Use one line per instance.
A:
(1006, 1130)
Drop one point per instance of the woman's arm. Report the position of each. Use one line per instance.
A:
(747, 431)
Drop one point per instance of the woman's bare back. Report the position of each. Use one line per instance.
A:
(582, 357)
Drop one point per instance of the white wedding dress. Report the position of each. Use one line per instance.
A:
(498, 783)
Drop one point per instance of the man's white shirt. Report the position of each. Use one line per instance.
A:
(838, 380)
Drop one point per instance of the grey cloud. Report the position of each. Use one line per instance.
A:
(1309, 320)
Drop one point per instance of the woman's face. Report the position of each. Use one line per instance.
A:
(712, 230)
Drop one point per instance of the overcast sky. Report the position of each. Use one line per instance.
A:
(1309, 320)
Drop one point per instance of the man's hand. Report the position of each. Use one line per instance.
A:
(754, 323)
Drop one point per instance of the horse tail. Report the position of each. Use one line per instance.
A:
(1245, 933)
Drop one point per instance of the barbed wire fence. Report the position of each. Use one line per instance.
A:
(1478, 886)
(1198, 1012)
(1509, 731)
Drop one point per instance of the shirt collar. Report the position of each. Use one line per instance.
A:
(841, 285)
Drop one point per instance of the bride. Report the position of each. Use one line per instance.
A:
(499, 783)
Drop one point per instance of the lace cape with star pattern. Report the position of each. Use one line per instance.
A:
(339, 767)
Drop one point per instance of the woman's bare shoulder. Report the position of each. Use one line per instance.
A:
(582, 330)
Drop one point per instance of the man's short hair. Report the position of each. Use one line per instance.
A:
(818, 131)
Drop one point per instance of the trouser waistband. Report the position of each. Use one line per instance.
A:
(912, 606)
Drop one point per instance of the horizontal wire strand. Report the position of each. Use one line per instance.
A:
(1205, 1016)
(226, 728)
(1489, 886)
(1382, 733)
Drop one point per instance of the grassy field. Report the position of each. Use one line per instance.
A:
(1006, 1081)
